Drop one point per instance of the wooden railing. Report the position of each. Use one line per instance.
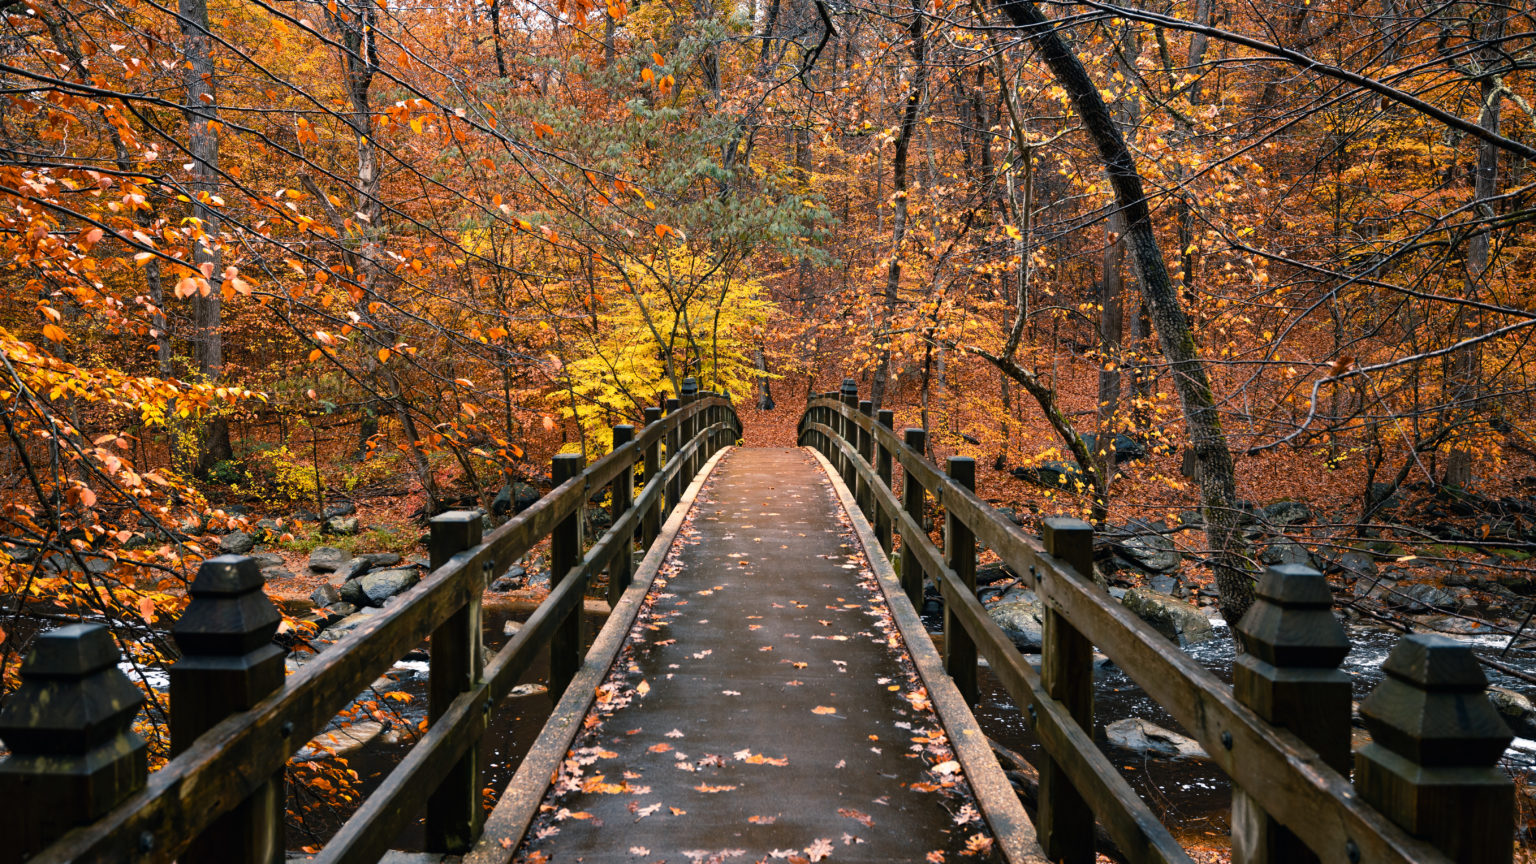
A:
(1427, 788)
(75, 786)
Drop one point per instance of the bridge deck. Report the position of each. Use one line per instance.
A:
(764, 705)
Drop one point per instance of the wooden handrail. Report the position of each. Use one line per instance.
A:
(1289, 780)
(156, 820)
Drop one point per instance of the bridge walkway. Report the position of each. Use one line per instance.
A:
(765, 704)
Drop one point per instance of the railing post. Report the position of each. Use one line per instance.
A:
(1431, 766)
(960, 555)
(690, 429)
(69, 727)
(887, 418)
(674, 435)
(565, 553)
(1290, 677)
(622, 491)
(912, 576)
(866, 495)
(848, 431)
(228, 664)
(454, 814)
(650, 525)
(1066, 822)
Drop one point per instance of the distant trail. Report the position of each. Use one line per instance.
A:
(764, 706)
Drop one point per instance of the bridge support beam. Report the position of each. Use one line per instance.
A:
(1432, 764)
(887, 418)
(1066, 671)
(565, 553)
(69, 727)
(622, 493)
(848, 431)
(960, 556)
(454, 814)
(228, 664)
(650, 524)
(865, 495)
(912, 576)
(1289, 675)
(675, 483)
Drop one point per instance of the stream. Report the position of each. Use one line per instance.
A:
(1190, 793)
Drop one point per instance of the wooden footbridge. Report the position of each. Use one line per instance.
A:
(762, 690)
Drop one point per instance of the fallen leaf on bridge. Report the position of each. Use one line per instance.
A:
(823, 709)
(819, 849)
(862, 818)
(705, 787)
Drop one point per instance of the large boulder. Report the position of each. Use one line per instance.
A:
(1286, 551)
(1022, 621)
(374, 588)
(338, 509)
(1151, 552)
(1052, 475)
(380, 560)
(348, 571)
(1283, 513)
(1422, 598)
(1180, 622)
(523, 496)
(236, 543)
(341, 526)
(1516, 709)
(1150, 739)
(325, 559)
(1122, 446)
(1353, 563)
(501, 505)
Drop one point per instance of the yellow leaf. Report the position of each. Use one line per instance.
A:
(647, 75)
(658, 59)
(644, 688)
(53, 332)
(383, 355)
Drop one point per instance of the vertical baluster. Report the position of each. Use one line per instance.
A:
(651, 525)
(565, 553)
(912, 576)
(690, 429)
(1431, 766)
(674, 437)
(865, 495)
(622, 491)
(69, 726)
(960, 555)
(1290, 677)
(847, 431)
(1066, 823)
(454, 815)
(887, 419)
(228, 664)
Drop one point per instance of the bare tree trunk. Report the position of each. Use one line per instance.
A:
(203, 145)
(1464, 365)
(501, 60)
(899, 211)
(1111, 331)
(356, 24)
(1218, 483)
(764, 386)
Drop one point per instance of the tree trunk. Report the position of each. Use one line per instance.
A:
(203, 145)
(899, 209)
(1218, 484)
(1464, 364)
(356, 26)
(764, 386)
